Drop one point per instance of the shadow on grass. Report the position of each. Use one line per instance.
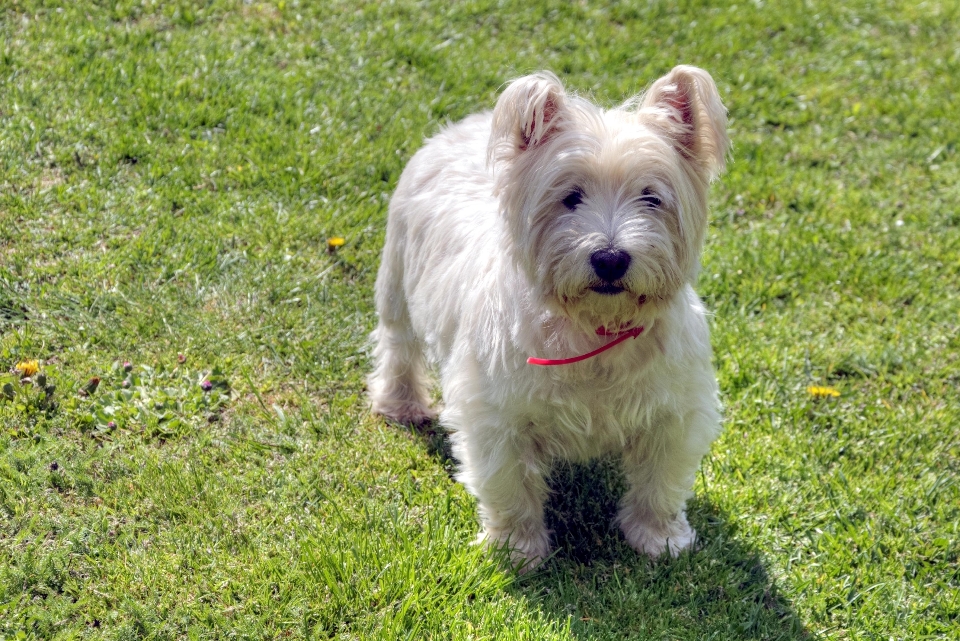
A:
(605, 590)
(436, 441)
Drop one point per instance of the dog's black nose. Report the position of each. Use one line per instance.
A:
(610, 264)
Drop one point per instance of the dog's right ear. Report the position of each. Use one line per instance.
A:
(527, 114)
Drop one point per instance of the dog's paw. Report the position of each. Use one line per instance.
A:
(405, 412)
(526, 552)
(674, 537)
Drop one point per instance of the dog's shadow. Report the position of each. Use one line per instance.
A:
(603, 589)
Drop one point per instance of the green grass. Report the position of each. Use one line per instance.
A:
(169, 175)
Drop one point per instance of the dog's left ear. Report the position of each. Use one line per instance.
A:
(686, 106)
(529, 112)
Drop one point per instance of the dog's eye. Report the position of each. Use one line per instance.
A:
(650, 199)
(573, 199)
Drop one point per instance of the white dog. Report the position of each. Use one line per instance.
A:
(542, 257)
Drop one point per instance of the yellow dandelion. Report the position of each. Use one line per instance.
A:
(27, 368)
(818, 391)
(334, 243)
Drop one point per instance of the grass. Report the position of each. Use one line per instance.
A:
(169, 175)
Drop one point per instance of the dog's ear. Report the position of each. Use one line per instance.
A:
(686, 106)
(527, 114)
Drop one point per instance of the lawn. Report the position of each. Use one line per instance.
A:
(194, 457)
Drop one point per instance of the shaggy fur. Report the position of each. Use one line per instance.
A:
(491, 256)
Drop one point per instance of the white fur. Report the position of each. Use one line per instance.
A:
(484, 265)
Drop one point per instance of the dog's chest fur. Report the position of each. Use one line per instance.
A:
(616, 399)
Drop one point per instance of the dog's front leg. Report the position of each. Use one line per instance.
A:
(507, 477)
(660, 468)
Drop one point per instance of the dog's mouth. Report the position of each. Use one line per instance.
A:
(608, 289)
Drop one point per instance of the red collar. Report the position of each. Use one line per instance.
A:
(620, 337)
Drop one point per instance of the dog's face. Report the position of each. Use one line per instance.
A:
(606, 211)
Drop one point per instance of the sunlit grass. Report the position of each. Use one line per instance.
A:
(200, 189)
